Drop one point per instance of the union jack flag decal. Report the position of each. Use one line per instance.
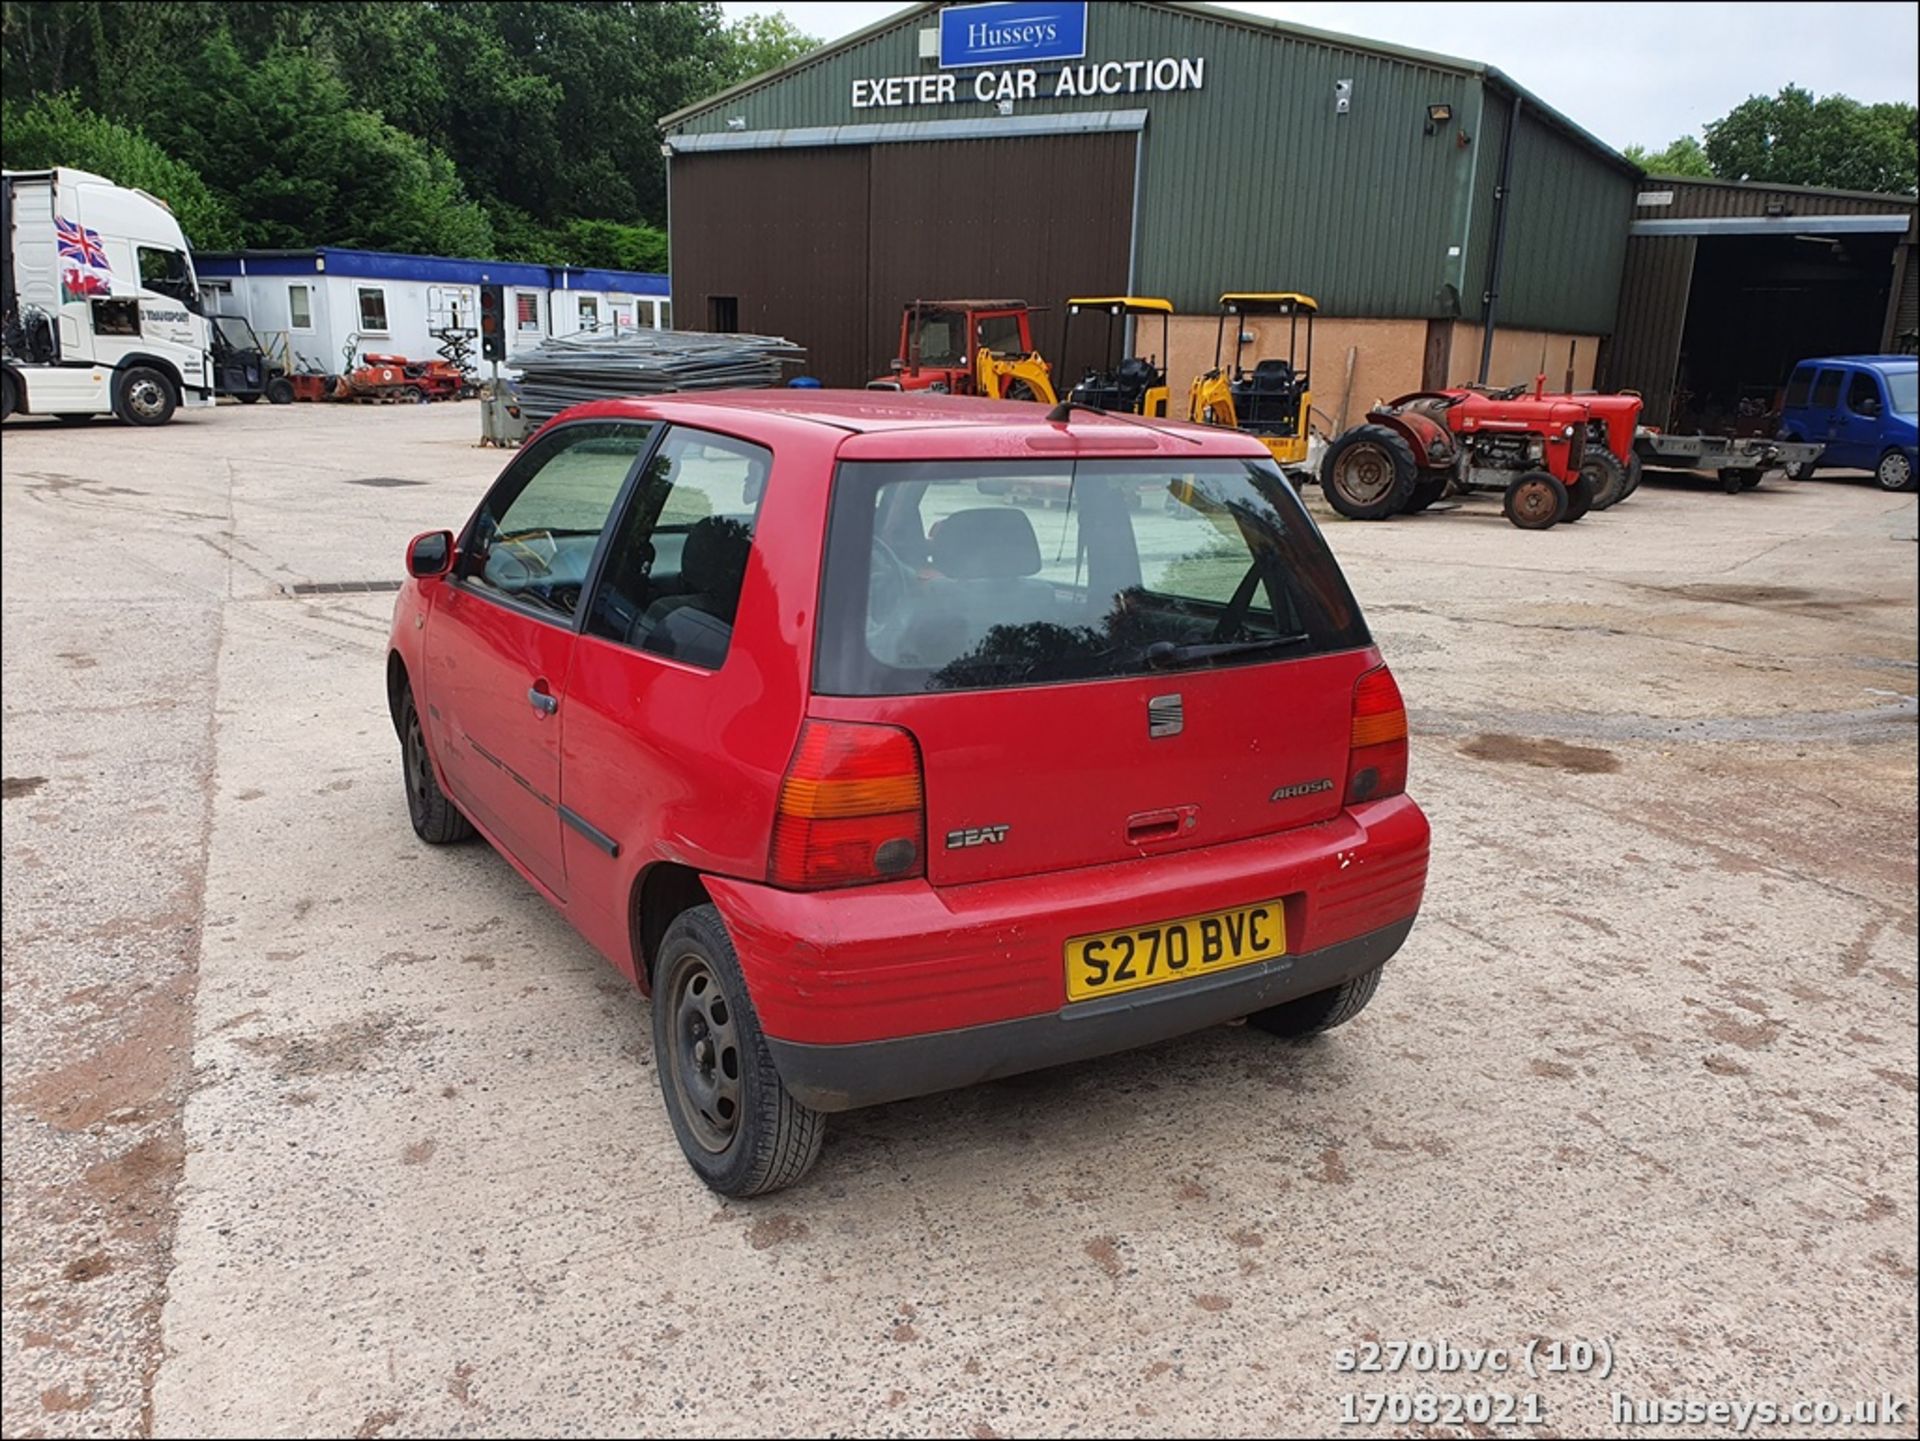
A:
(80, 245)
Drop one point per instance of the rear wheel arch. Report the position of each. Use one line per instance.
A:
(661, 894)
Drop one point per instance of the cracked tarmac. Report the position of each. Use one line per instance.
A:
(308, 1129)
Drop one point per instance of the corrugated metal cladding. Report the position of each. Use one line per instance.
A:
(825, 245)
(1255, 181)
(1657, 275)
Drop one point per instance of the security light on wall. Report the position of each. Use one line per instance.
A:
(1005, 107)
(736, 122)
(1438, 115)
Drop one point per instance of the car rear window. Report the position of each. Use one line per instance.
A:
(975, 575)
(1903, 390)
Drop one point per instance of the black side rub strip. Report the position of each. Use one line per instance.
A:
(592, 832)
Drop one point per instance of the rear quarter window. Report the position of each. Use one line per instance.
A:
(1799, 387)
(1826, 391)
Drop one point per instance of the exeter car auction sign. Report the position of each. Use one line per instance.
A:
(991, 35)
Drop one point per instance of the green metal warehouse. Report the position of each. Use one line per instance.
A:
(1186, 150)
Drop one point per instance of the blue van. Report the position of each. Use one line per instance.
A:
(1861, 407)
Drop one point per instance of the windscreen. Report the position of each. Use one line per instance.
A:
(973, 575)
(1903, 389)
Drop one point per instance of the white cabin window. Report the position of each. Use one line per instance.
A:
(300, 307)
(527, 309)
(373, 309)
(589, 312)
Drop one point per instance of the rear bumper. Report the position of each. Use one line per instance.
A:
(878, 963)
(870, 1073)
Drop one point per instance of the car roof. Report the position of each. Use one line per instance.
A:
(1875, 362)
(906, 425)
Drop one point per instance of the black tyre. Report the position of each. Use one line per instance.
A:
(9, 397)
(144, 397)
(1750, 480)
(1369, 473)
(1799, 470)
(279, 391)
(1634, 471)
(1607, 474)
(743, 1133)
(436, 820)
(1579, 498)
(1734, 480)
(251, 397)
(1895, 471)
(1426, 490)
(1535, 500)
(1020, 390)
(1321, 1011)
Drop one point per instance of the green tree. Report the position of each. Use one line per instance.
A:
(57, 130)
(758, 43)
(1795, 139)
(1685, 156)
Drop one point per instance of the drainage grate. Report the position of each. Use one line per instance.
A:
(385, 481)
(342, 587)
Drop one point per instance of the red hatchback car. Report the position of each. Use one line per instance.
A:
(882, 784)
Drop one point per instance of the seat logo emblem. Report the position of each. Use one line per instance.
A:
(1166, 716)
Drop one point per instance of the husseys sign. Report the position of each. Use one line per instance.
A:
(985, 38)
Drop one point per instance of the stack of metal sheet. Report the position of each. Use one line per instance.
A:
(596, 365)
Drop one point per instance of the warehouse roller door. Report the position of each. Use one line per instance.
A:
(825, 245)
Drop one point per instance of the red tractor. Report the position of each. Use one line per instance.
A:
(1551, 455)
(941, 345)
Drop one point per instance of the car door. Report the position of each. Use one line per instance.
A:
(1857, 426)
(500, 642)
(1823, 414)
(669, 713)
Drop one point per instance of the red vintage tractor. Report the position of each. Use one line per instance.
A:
(1544, 452)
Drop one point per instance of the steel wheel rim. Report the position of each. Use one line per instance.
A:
(418, 768)
(703, 1057)
(1895, 472)
(1534, 501)
(1365, 473)
(144, 397)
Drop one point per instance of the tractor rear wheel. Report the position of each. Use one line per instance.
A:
(1369, 473)
(1431, 485)
(1608, 476)
(1579, 498)
(1535, 500)
(1634, 471)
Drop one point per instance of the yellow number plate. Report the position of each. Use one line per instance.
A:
(1173, 950)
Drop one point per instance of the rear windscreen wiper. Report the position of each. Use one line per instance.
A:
(1164, 654)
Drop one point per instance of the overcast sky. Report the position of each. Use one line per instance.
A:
(1630, 73)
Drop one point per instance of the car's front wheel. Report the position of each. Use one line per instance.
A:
(435, 818)
(1895, 471)
(1321, 1011)
(742, 1131)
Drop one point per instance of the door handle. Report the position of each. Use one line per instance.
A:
(543, 701)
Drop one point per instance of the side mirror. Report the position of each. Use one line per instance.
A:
(1870, 408)
(430, 554)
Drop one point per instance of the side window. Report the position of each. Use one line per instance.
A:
(536, 532)
(526, 310)
(1799, 387)
(1826, 391)
(1863, 394)
(1001, 335)
(300, 307)
(373, 309)
(674, 569)
(589, 313)
(165, 271)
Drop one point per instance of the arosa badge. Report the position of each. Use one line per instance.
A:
(1166, 716)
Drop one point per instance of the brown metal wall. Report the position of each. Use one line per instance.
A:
(1654, 288)
(786, 233)
(825, 246)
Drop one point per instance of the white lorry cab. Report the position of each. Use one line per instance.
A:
(99, 310)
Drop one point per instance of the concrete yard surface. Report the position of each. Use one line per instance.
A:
(312, 1129)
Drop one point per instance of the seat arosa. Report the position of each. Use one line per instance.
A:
(881, 783)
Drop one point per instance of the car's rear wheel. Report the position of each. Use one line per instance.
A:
(1535, 500)
(1321, 1011)
(742, 1131)
(436, 819)
(1895, 471)
(1799, 470)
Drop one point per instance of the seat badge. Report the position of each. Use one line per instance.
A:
(1166, 716)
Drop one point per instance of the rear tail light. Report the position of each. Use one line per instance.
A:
(852, 808)
(1377, 761)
